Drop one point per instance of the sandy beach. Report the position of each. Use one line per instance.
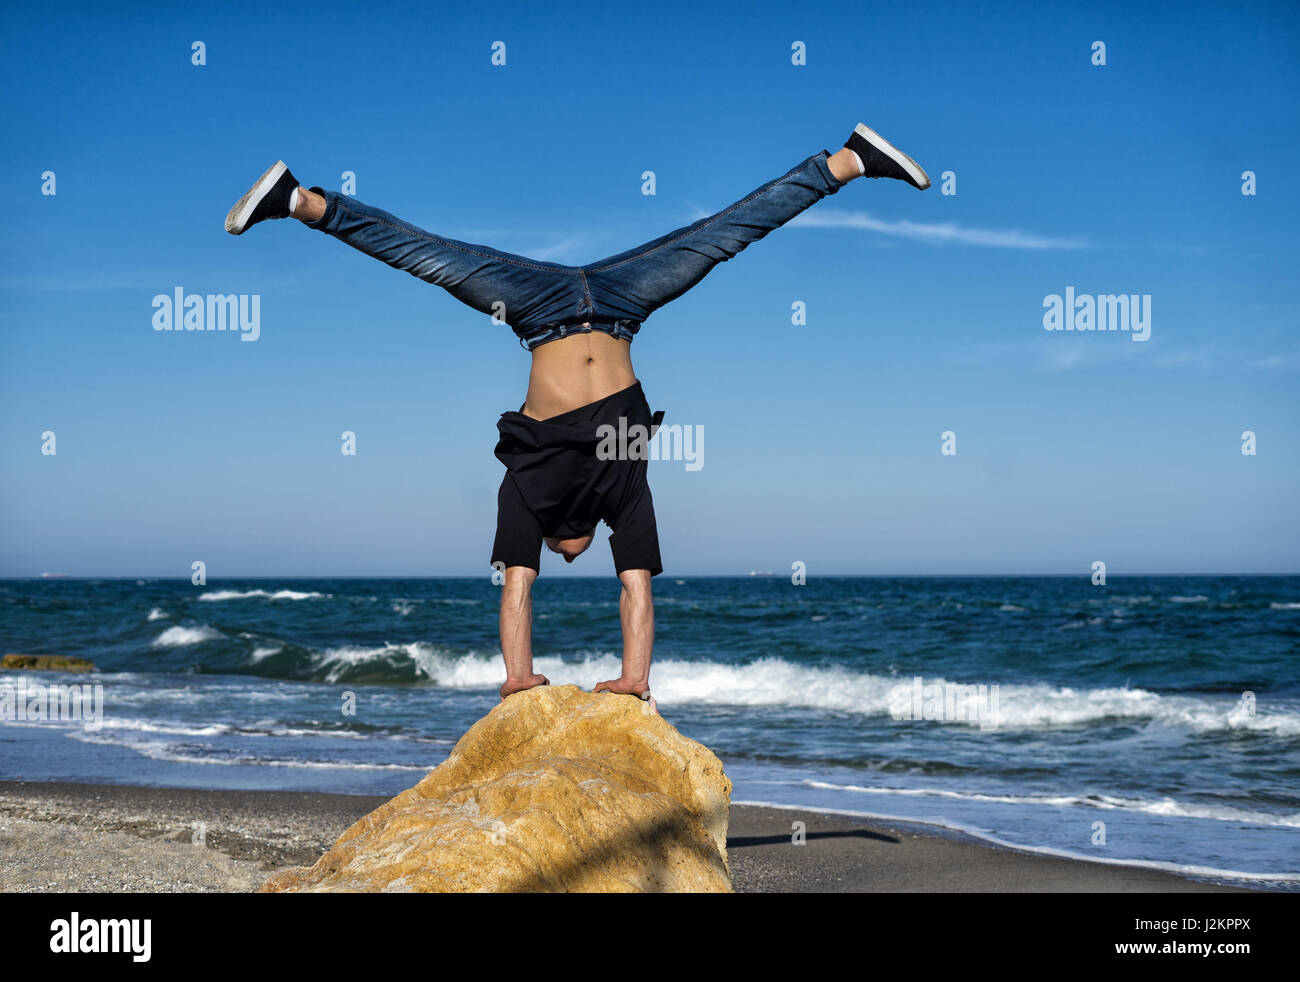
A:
(105, 838)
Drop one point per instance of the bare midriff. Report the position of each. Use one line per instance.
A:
(577, 370)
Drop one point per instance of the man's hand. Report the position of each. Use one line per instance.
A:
(511, 686)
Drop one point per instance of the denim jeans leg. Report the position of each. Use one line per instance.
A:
(522, 292)
(633, 284)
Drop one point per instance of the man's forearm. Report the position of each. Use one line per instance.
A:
(517, 622)
(636, 608)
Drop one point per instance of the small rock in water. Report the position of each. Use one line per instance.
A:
(48, 663)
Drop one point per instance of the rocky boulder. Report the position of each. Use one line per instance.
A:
(47, 663)
(556, 789)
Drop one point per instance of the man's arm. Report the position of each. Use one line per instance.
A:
(636, 608)
(517, 630)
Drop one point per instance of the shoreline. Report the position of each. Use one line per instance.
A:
(73, 837)
(943, 830)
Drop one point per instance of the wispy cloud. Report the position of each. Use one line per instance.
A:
(1283, 360)
(941, 233)
(512, 240)
(556, 251)
(1064, 358)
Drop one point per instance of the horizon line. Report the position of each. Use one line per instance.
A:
(44, 578)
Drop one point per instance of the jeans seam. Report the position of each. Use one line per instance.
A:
(586, 291)
(720, 215)
(458, 248)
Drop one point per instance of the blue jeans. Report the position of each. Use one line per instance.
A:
(544, 301)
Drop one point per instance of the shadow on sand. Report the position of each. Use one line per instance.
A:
(740, 842)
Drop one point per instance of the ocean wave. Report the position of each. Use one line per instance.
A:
(267, 594)
(261, 730)
(1198, 599)
(271, 728)
(179, 637)
(1089, 622)
(158, 614)
(1285, 606)
(774, 682)
(1164, 806)
(110, 722)
(163, 750)
(349, 661)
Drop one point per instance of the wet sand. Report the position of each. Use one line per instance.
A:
(107, 838)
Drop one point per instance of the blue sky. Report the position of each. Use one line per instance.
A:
(821, 441)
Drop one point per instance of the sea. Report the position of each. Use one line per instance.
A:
(1149, 720)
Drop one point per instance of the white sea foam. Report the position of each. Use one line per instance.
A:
(265, 651)
(1164, 806)
(1090, 622)
(1198, 599)
(1285, 606)
(280, 691)
(163, 750)
(179, 637)
(778, 683)
(165, 727)
(272, 730)
(336, 662)
(157, 614)
(249, 594)
(259, 730)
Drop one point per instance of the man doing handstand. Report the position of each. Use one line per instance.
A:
(578, 323)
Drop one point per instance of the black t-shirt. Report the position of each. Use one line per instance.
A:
(567, 473)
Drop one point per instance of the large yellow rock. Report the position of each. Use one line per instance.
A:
(555, 789)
